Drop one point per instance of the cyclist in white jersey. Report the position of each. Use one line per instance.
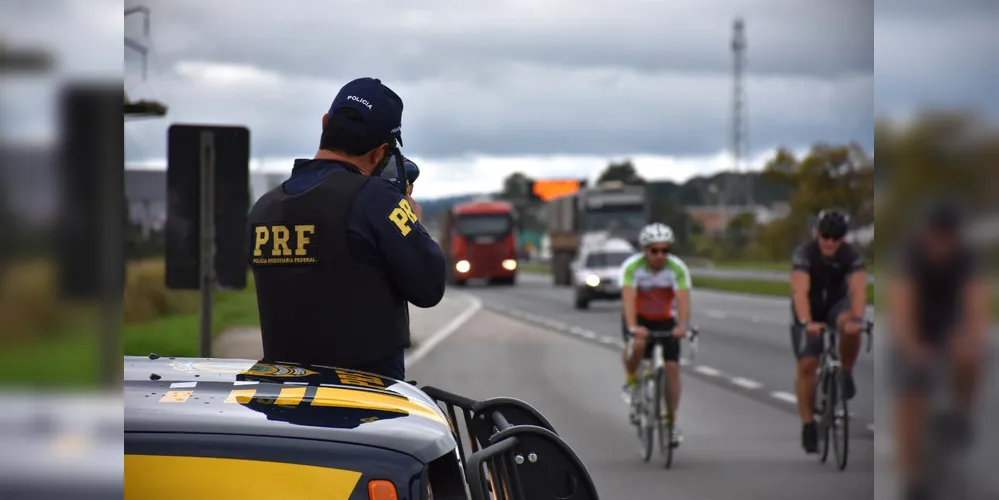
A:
(650, 283)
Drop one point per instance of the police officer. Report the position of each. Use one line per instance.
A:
(337, 250)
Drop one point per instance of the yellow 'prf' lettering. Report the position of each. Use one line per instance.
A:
(278, 236)
(402, 216)
(303, 240)
(404, 204)
(281, 236)
(262, 235)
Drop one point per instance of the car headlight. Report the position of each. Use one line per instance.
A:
(592, 280)
(462, 266)
(509, 264)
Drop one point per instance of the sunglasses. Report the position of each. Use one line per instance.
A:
(832, 237)
(657, 250)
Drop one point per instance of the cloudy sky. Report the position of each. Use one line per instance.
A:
(553, 88)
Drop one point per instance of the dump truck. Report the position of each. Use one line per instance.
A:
(607, 210)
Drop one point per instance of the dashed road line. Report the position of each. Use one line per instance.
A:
(707, 370)
(745, 383)
(784, 396)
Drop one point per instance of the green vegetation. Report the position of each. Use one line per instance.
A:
(63, 339)
(757, 287)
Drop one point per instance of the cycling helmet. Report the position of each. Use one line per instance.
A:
(655, 233)
(412, 171)
(832, 224)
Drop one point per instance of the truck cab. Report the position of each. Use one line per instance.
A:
(596, 271)
(480, 242)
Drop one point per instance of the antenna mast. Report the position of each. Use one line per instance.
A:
(739, 122)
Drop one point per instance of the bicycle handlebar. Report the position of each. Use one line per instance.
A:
(868, 330)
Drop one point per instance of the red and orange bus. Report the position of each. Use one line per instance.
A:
(480, 242)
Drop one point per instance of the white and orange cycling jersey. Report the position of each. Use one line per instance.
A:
(655, 290)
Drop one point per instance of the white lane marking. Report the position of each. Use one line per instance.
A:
(745, 383)
(784, 396)
(684, 362)
(424, 347)
(575, 330)
(587, 334)
(245, 382)
(711, 313)
(183, 385)
(608, 341)
(707, 370)
(557, 325)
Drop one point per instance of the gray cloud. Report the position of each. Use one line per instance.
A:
(529, 78)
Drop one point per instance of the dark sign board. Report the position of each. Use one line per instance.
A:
(232, 202)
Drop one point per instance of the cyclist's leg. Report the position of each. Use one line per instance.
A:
(849, 342)
(910, 387)
(632, 353)
(804, 384)
(671, 356)
(967, 357)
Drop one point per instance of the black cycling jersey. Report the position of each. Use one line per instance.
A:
(938, 288)
(829, 283)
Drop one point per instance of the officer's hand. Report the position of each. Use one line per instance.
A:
(417, 209)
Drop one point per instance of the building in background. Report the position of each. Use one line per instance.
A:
(145, 191)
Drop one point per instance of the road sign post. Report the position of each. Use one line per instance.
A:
(207, 205)
(206, 266)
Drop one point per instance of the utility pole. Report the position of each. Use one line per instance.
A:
(739, 122)
(142, 108)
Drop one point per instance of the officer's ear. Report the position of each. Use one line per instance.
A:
(326, 118)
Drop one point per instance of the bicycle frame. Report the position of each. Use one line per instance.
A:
(828, 381)
(652, 373)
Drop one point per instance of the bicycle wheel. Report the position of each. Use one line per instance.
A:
(664, 420)
(645, 424)
(822, 397)
(840, 421)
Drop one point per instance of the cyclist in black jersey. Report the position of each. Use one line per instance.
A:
(939, 312)
(829, 288)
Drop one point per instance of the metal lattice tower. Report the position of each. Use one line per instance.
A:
(739, 122)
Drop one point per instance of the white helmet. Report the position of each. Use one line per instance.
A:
(655, 233)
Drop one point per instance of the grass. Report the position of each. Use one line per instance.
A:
(56, 346)
(775, 288)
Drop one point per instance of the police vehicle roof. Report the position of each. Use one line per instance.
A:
(246, 397)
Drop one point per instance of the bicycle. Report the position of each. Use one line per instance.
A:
(653, 391)
(832, 413)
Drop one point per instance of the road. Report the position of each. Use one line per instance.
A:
(738, 409)
(740, 441)
(745, 341)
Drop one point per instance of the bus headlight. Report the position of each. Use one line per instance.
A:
(592, 280)
(462, 266)
(509, 264)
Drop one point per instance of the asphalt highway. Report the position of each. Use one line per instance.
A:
(745, 343)
(740, 440)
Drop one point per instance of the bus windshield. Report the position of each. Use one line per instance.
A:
(471, 226)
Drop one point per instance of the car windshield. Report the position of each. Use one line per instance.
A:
(484, 225)
(606, 259)
(615, 218)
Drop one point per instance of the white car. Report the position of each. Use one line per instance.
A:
(596, 272)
